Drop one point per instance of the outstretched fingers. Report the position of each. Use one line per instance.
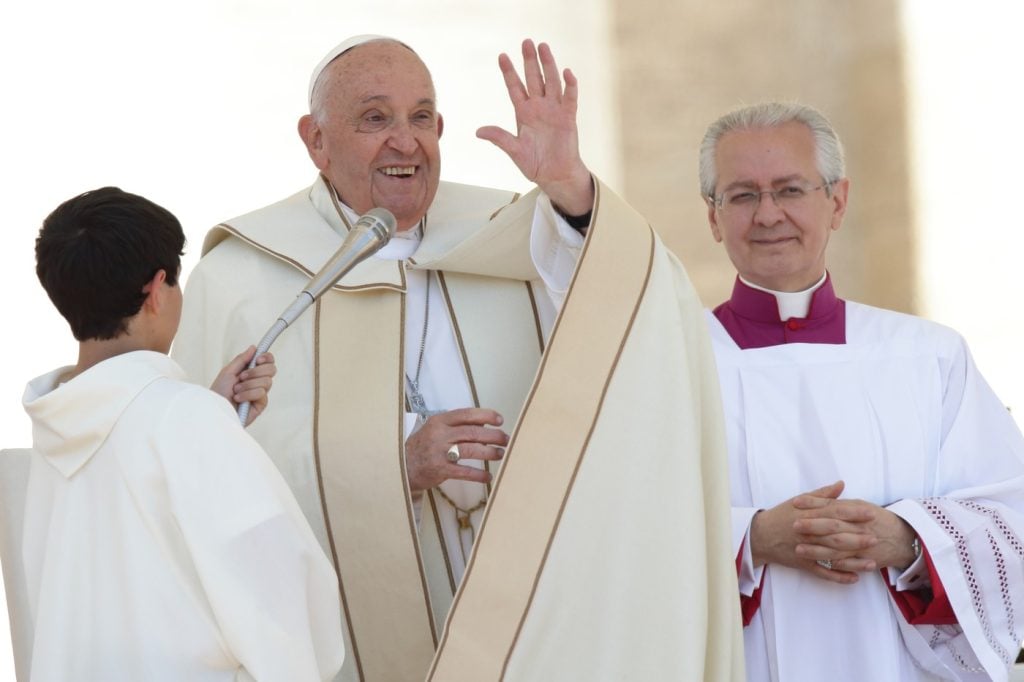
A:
(532, 70)
(540, 70)
(500, 138)
(516, 90)
(552, 80)
(572, 90)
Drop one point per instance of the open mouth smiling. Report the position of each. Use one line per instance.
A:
(398, 171)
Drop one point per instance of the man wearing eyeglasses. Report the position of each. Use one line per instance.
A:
(877, 482)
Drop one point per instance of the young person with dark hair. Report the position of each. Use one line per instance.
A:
(160, 541)
(97, 251)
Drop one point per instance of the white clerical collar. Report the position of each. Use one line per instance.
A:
(791, 303)
(402, 245)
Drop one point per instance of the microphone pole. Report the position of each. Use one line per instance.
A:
(370, 233)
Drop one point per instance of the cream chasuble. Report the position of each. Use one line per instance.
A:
(604, 552)
(358, 502)
(397, 586)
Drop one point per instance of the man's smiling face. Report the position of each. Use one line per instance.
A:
(374, 133)
(776, 247)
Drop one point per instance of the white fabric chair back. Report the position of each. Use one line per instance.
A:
(14, 466)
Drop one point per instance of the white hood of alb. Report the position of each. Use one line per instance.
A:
(70, 421)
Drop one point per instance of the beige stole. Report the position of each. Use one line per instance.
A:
(394, 598)
(550, 553)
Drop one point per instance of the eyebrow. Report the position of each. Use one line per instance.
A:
(426, 101)
(775, 182)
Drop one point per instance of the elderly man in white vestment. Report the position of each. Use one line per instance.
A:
(877, 481)
(160, 543)
(399, 390)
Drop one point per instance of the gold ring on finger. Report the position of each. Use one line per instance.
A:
(453, 454)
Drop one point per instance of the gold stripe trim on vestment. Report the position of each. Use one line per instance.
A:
(463, 356)
(224, 227)
(536, 316)
(590, 431)
(458, 336)
(515, 198)
(365, 488)
(353, 644)
(548, 445)
(440, 536)
(410, 512)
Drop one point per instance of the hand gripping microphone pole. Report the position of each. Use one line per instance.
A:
(372, 231)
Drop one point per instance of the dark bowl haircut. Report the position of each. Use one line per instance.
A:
(96, 251)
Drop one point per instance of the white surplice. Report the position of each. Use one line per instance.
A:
(901, 414)
(160, 541)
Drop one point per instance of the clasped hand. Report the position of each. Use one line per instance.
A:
(854, 535)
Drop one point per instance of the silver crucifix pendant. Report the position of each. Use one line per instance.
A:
(416, 402)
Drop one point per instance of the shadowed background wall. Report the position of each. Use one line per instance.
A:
(682, 64)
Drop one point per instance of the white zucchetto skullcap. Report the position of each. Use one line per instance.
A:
(341, 47)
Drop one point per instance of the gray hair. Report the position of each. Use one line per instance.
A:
(828, 149)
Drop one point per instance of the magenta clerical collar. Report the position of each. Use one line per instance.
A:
(751, 317)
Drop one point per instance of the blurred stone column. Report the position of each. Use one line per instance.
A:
(682, 64)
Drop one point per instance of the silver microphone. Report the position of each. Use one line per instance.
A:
(371, 232)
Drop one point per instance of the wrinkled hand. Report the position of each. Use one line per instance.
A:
(546, 146)
(826, 527)
(816, 525)
(472, 428)
(238, 384)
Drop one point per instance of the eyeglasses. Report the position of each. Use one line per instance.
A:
(742, 202)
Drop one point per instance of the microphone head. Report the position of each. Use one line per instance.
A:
(371, 232)
(381, 222)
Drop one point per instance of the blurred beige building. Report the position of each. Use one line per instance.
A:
(919, 91)
(680, 65)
